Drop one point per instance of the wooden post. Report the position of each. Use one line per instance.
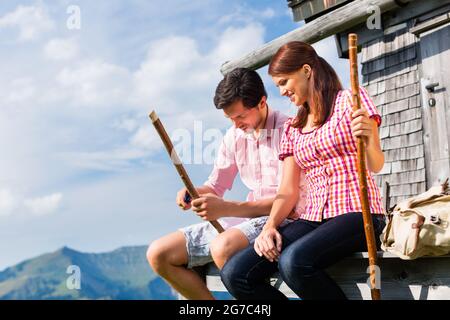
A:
(361, 154)
(177, 162)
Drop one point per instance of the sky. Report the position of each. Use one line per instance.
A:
(81, 165)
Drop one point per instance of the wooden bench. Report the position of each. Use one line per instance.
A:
(426, 278)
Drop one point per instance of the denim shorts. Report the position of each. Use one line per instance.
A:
(198, 237)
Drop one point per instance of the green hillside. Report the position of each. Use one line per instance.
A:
(121, 274)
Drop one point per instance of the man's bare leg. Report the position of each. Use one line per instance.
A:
(226, 244)
(168, 257)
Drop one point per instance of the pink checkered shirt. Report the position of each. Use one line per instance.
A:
(328, 156)
(256, 161)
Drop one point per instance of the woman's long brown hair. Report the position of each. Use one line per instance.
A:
(325, 83)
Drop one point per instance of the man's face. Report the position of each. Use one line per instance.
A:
(243, 118)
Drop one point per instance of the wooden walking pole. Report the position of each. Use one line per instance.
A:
(367, 217)
(177, 162)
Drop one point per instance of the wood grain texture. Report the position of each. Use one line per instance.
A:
(426, 278)
(329, 24)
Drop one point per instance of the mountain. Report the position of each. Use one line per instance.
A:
(121, 274)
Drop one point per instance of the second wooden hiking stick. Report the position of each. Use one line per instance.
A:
(177, 162)
(367, 217)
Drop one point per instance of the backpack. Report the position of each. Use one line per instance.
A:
(419, 226)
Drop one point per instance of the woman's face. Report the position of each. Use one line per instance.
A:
(295, 86)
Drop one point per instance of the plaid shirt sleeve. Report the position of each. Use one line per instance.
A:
(367, 103)
(286, 144)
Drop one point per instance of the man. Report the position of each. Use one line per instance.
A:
(249, 148)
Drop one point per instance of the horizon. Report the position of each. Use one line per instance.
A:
(72, 249)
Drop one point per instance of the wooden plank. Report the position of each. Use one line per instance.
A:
(336, 21)
(424, 9)
(407, 165)
(402, 80)
(396, 106)
(394, 71)
(415, 176)
(435, 51)
(406, 115)
(393, 21)
(405, 127)
(426, 278)
(417, 188)
(422, 279)
(431, 24)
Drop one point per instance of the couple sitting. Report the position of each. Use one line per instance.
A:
(303, 213)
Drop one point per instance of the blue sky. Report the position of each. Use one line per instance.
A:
(80, 162)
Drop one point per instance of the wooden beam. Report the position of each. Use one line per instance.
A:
(431, 24)
(339, 20)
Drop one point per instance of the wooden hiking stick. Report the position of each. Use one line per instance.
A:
(177, 162)
(361, 153)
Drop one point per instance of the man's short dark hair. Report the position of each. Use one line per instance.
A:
(240, 84)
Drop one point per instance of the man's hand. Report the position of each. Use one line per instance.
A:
(268, 243)
(180, 199)
(210, 207)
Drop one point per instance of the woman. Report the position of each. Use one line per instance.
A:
(321, 140)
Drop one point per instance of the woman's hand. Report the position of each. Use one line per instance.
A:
(268, 243)
(365, 127)
(362, 126)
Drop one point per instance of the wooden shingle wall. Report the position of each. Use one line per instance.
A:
(391, 75)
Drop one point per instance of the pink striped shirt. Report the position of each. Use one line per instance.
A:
(256, 161)
(328, 156)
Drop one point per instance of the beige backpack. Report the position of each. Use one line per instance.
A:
(419, 226)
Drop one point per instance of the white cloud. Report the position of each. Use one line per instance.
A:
(268, 13)
(94, 83)
(176, 79)
(168, 68)
(117, 160)
(288, 12)
(235, 42)
(18, 91)
(247, 15)
(90, 111)
(8, 202)
(61, 49)
(13, 203)
(84, 109)
(145, 138)
(44, 205)
(30, 20)
(127, 124)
